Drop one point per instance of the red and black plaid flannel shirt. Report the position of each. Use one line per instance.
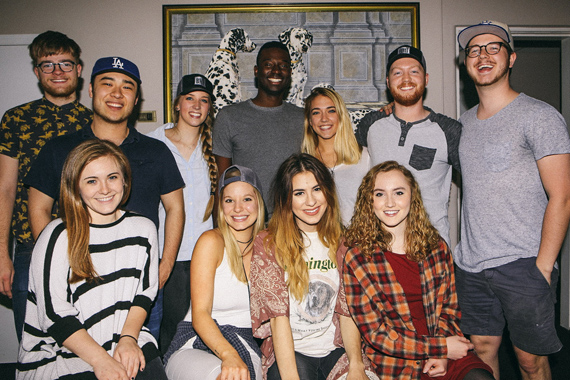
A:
(378, 305)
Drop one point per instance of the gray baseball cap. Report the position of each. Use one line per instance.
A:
(496, 28)
(237, 173)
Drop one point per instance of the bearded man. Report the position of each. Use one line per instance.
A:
(423, 141)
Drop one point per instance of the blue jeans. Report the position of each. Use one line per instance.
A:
(154, 318)
(22, 258)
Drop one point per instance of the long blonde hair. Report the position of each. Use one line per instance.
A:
(284, 235)
(366, 230)
(234, 254)
(73, 209)
(345, 145)
(206, 140)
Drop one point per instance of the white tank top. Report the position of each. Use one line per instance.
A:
(231, 299)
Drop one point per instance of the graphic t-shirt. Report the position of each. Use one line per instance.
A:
(311, 319)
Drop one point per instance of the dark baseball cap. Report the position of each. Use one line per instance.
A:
(406, 51)
(195, 82)
(116, 64)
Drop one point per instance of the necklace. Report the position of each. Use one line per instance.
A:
(245, 242)
(242, 264)
(323, 161)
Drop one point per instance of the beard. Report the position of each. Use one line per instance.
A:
(408, 98)
(59, 92)
(503, 71)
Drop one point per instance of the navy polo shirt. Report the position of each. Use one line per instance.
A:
(154, 170)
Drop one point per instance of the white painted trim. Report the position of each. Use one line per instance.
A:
(16, 39)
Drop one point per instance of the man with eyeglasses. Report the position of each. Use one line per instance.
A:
(515, 162)
(23, 132)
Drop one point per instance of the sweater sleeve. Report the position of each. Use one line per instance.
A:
(49, 274)
(148, 286)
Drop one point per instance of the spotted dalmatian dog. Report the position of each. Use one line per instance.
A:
(298, 41)
(356, 115)
(223, 70)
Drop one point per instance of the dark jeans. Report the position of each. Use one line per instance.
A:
(176, 302)
(308, 367)
(22, 258)
(153, 370)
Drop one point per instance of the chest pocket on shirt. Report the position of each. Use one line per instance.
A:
(497, 155)
(422, 158)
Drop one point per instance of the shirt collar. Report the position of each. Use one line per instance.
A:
(133, 136)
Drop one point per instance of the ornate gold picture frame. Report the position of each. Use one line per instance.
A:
(350, 43)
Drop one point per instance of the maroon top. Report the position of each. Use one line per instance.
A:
(408, 275)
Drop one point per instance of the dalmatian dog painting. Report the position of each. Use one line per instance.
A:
(298, 41)
(223, 70)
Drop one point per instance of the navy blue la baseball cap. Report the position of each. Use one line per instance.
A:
(116, 64)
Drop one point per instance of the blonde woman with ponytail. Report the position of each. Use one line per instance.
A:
(190, 140)
(93, 278)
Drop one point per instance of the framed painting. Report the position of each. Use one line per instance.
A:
(349, 46)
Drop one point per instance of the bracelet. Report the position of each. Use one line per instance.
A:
(128, 336)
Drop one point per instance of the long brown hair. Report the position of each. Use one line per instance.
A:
(366, 230)
(285, 236)
(345, 145)
(73, 209)
(206, 140)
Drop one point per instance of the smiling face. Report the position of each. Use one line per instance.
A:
(273, 71)
(240, 206)
(114, 97)
(101, 187)
(392, 197)
(193, 108)
(407, 81)
(323, 117)
(308, 201)
(58, 85)
(486, 70)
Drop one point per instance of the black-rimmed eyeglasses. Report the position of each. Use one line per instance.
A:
(49, 67)
(491, 48)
